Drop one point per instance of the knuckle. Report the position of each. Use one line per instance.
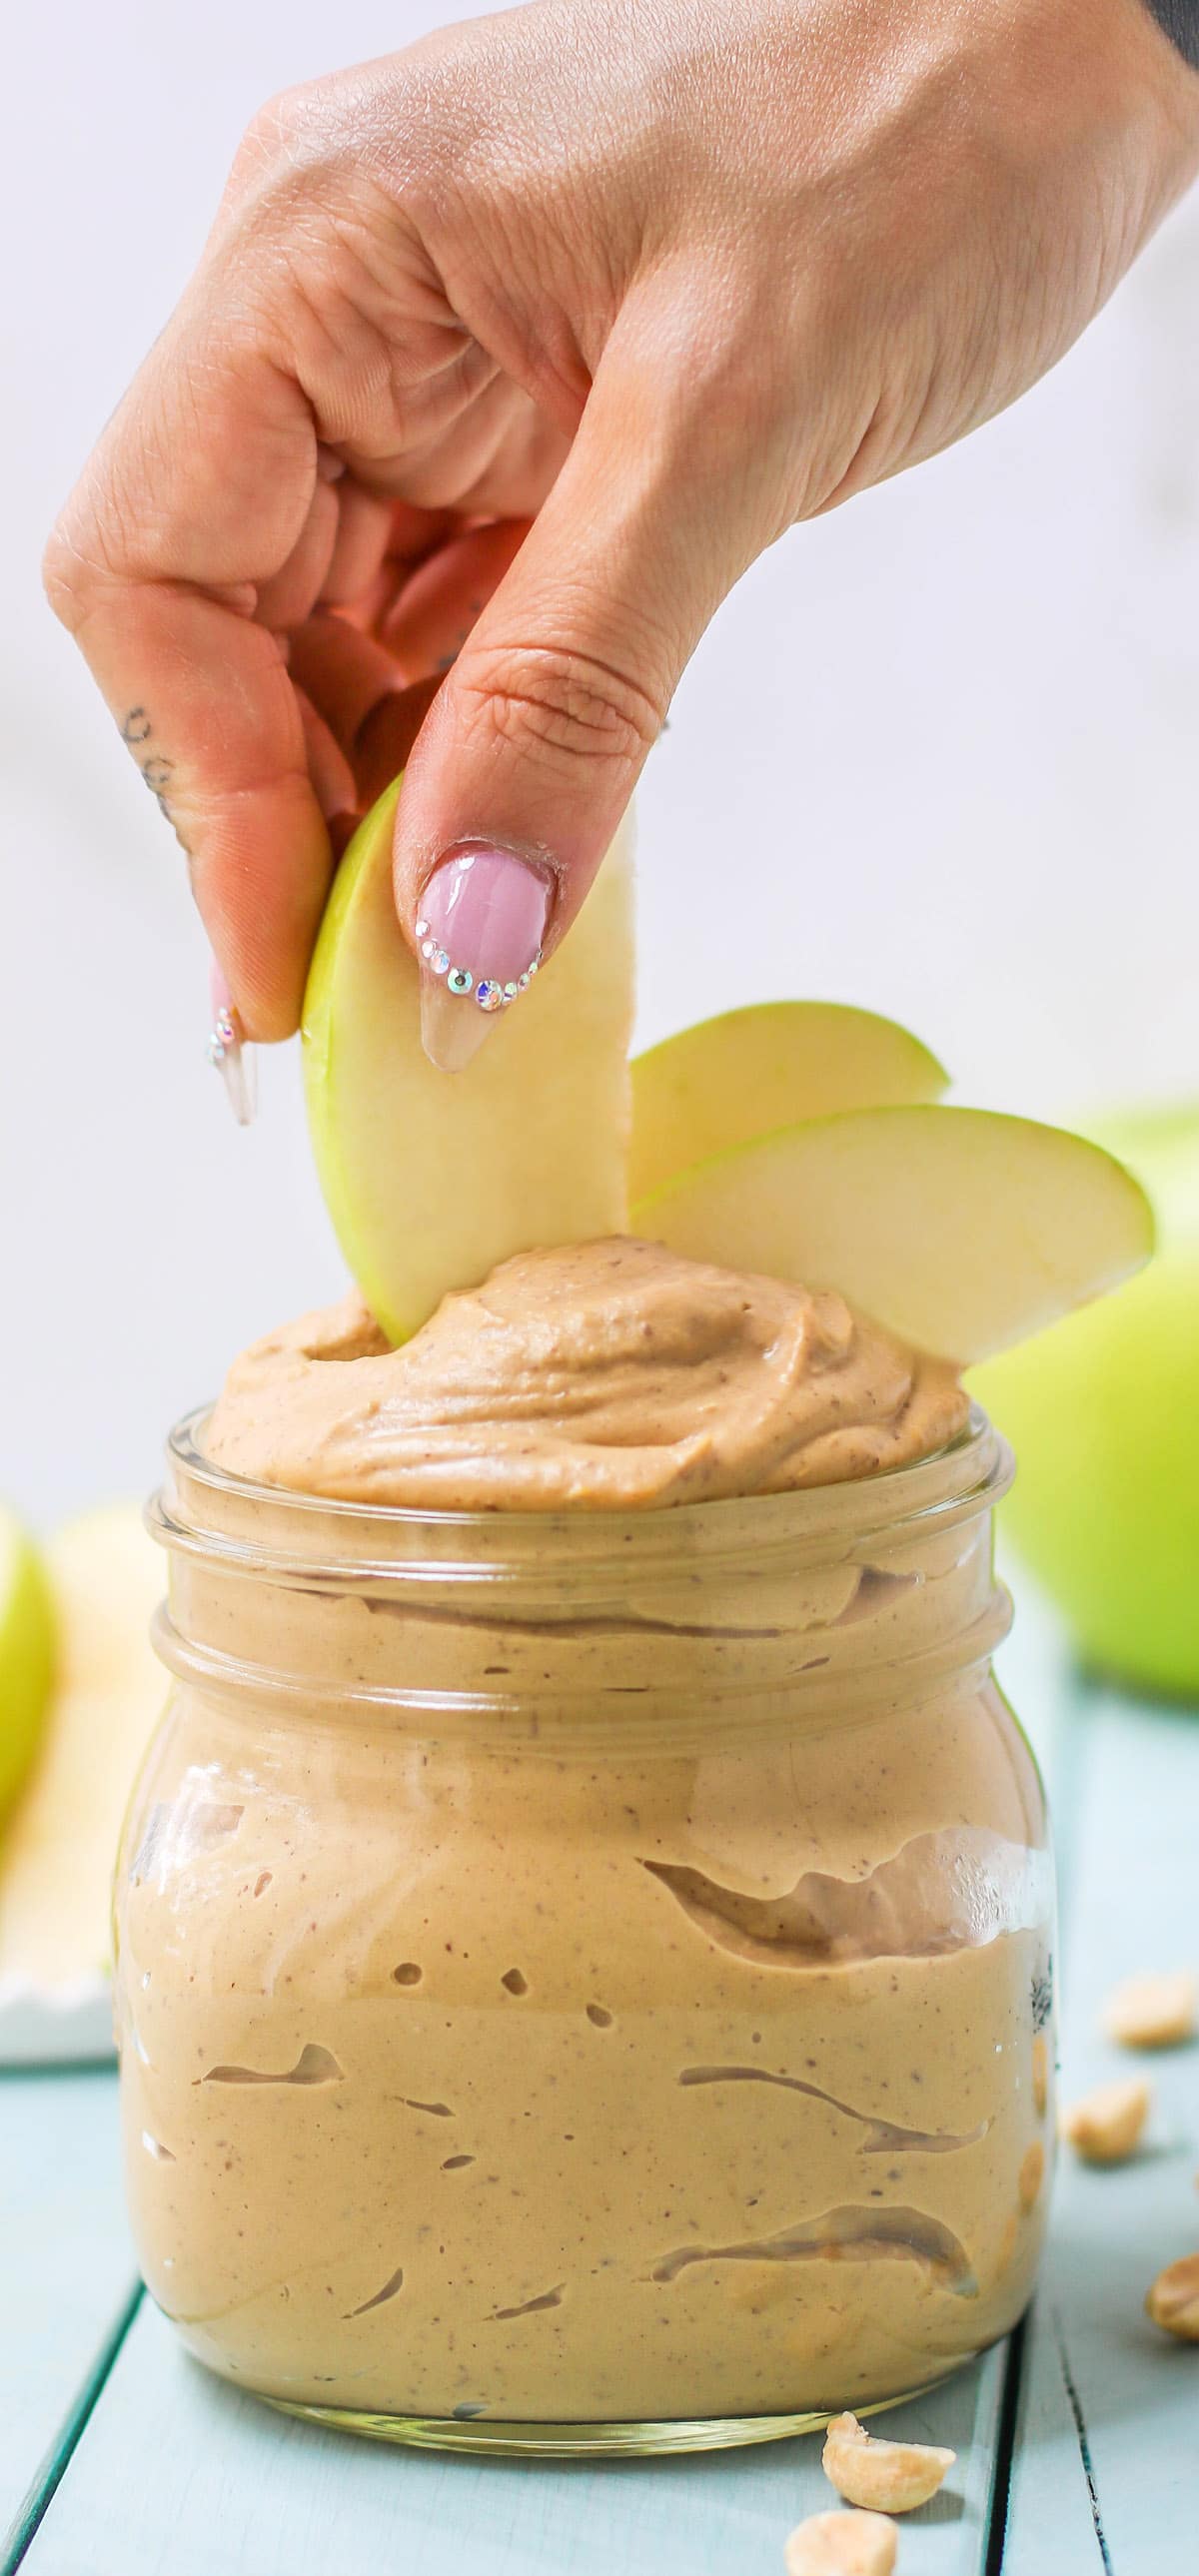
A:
(60, 575)
(72, 569)
(91, 546)
(571, 706)
(275, 128)
(298, 138)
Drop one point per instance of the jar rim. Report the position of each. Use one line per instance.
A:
(565, 1577)
(967, 1475)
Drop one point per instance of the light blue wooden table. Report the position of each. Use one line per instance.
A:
(1078, 2444)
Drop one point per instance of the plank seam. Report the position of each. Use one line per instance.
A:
(1005, 2452)
(53, 2468)
(1084, 2446)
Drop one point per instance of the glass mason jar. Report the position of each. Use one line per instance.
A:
(585, 1981)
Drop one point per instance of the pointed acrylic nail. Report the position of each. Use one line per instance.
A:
(230, 1051)
(478, 938)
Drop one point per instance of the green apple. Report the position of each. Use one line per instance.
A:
(27, 1649)
(716, 1085)
(431, 1178)
(960, 1230)
(105, 1577)
(1103, 1414)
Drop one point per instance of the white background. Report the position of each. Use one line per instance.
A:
(938, 755)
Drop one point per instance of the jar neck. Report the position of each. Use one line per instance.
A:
(749, 1612)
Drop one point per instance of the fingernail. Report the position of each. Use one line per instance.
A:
(230, 1051)
(478, 935)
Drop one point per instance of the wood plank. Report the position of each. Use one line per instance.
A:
(1106, 2471)
(177, 2474)
(67, 2262)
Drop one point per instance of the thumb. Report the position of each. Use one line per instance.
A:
(536, 740)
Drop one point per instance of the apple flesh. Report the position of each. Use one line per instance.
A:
(1104, 1416)
(432, 1178)
(959, 1230)
(27, 1649)
(105, 1577)
(717, 1085)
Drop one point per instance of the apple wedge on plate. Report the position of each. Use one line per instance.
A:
(56, 1860)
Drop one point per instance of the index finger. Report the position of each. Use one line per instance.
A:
(198, 493)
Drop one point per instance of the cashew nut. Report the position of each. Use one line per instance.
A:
(1153, 2011)
(885, 2477)
(842, 2544)
(1106, 2125)
(1173, 2302)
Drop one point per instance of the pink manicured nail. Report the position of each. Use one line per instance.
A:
(230, 1052)
(478, 934)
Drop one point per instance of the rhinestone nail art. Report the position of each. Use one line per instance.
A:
(488, 992)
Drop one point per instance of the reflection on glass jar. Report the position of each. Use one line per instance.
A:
(586, 1972)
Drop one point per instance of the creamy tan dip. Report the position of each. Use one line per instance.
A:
(603, 1375)
(591, 1967)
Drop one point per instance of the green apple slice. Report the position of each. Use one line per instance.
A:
(431, 1178)
(27, 1643)
(750, 1071)
(959, 1230)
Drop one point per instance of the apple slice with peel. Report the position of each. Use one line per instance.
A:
(960, 1230)
(715, 1085)
(27, 1646)
(431, 1178)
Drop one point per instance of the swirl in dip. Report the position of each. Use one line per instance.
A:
(605, 1376)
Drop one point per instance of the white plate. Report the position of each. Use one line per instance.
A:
(70, 2027)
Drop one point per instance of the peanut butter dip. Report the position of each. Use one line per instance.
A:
(601, 1375)
(586, 1965)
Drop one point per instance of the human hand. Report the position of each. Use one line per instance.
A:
(659, 277)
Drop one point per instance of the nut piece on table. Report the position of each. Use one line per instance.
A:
(1173, 2302)
(1153, 2011)
(885, 2477)
(842, 2544)
(1106, 2125)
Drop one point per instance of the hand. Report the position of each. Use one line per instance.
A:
(638, 282)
